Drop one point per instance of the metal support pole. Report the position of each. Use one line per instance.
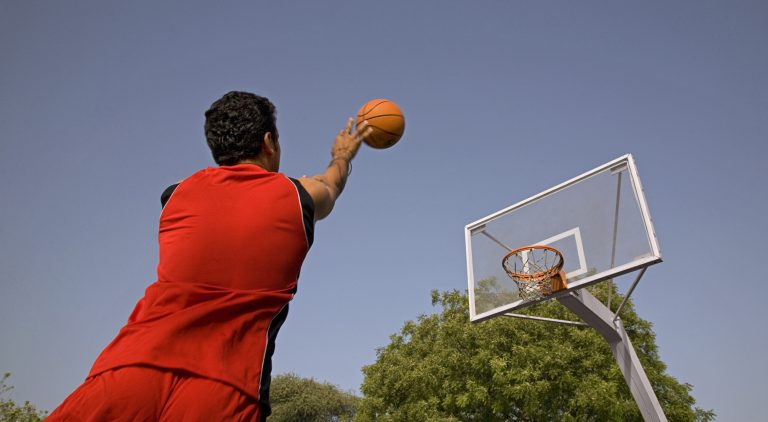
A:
(597, 315)
(629, 293)
(615, 231)
(498, 242)
(535, 318)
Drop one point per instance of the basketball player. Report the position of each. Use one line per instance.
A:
(198, 345)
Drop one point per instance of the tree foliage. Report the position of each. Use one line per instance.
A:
(11, 412)
(296, 399)
(441, 367)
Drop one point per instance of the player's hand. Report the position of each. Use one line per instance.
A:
(348, 141)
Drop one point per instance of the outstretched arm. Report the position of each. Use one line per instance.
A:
(326, 187)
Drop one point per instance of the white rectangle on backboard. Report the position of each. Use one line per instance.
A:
(579, 246)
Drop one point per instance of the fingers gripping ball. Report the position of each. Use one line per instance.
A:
(386, 120)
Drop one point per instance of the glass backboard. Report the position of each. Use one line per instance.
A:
(599, 221)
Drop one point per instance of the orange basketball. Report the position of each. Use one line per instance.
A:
(387, 121)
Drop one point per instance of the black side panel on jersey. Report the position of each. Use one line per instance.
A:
(308, 212)
(167, 194)
(266, 369)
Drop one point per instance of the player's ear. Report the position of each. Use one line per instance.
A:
(270, 144)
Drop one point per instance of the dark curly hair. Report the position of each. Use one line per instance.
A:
(235, 126)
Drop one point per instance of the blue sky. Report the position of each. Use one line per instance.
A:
(101, 107)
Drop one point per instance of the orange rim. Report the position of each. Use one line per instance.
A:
(537, 276)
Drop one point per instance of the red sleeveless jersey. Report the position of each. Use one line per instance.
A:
(232, 241)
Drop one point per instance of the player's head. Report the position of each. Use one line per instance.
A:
(236, 126)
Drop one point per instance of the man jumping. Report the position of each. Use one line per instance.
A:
(198, 346)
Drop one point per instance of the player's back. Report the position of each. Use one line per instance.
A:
(236, 226)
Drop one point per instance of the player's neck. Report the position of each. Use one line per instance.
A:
(259, 161)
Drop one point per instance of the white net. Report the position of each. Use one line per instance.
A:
(535, 270)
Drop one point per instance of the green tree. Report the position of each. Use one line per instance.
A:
(11, 412)
(441, 367)
(296, 399)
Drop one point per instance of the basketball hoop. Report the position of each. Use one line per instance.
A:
(537, 270)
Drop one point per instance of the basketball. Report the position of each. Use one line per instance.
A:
(386, 120)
